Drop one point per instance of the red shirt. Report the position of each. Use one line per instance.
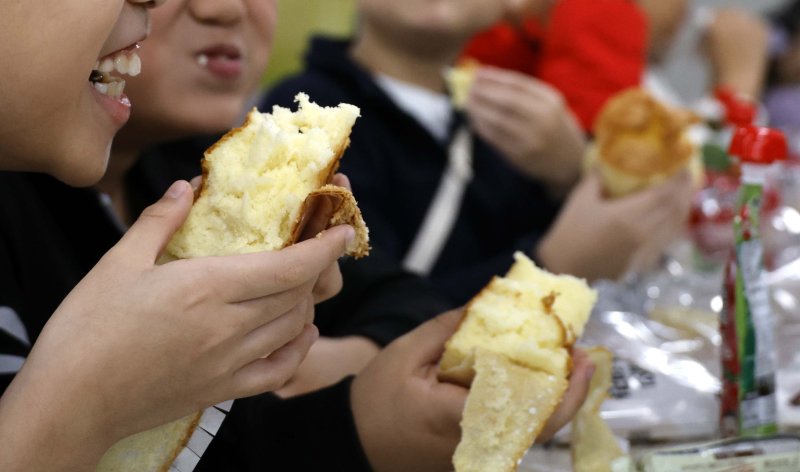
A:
(591, 50)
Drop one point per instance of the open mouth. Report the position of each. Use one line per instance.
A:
(125, 62)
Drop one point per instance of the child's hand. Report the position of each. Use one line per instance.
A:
(406, 418)
(329, 361)
(579, 381)
(136, 345)
(595, 237)
(528, 121)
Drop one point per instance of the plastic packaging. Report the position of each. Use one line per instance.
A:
(780, 453)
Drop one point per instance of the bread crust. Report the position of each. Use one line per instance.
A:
(345, 211)
(184, 441)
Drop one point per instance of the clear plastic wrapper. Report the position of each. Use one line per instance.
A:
(780, 453)
(663, 329)
(665, 378)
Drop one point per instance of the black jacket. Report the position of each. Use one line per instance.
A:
(395, 166)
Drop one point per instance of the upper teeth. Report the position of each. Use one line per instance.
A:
(123, 62)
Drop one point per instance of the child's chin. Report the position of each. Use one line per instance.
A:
(84, 173)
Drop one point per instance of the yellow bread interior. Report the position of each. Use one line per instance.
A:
(149, 451)
(459, 81)
(530, 316)
(512, 349)
(258, 176)
(506, 409)
(593, 444)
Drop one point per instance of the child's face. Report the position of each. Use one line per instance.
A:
(430, 22)
(204, 61)
(52, 117)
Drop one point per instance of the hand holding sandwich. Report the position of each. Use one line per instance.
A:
(162, 341)
(597, 237)
(409, 420)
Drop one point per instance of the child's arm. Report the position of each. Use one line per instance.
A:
(329, 361)
(136, 345)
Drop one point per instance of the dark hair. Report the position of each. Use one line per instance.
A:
(785, 22)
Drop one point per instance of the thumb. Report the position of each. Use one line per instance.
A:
(158, 222)
(427, 341)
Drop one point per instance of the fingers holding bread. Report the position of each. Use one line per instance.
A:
(247, 247)
(512, 348)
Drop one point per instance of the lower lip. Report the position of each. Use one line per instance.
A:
(224, 68)
(119, 109)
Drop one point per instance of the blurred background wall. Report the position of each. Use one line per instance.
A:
(684, 68)
(298, 19)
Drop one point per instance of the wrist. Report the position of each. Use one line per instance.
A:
(44, 428)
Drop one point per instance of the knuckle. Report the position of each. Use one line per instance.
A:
(156, 211)
(328, 285)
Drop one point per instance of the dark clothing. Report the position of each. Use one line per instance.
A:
(46, 247)
(307, 433)
(395, 165)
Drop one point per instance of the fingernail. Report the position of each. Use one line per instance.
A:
(177, 189)
(195, 183)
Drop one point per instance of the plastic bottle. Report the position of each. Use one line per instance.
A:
(748, 405)
(713, 206)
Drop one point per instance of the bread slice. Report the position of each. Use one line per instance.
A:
(150, 451)
(640, 142)
(261, 184)
(459, 81)
(260, 180)
(593, 444)
(507, 407)
(516, 337)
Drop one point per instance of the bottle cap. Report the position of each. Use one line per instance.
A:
(740, 113)
(741, 140)
(739, 109)
(764, 146)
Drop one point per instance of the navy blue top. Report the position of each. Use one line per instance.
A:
(395, 165)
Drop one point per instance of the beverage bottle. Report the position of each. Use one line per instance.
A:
(748, 359)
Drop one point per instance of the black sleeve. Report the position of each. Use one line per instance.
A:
(380, 300)
(460, 286)
(306, 433)
(13, 349)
